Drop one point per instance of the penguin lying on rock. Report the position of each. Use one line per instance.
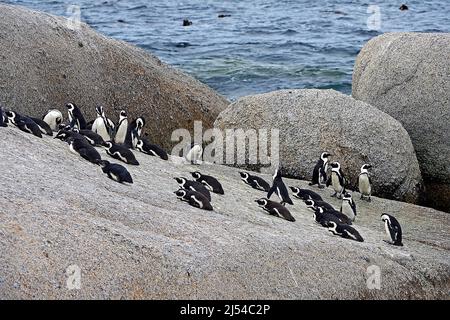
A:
(344, 231)
(254, 181)
(193, 186)
(305, 194)
(115, 171)
(194, 198)
(23, 123)
(275, 209)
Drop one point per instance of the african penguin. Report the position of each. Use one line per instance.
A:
(53, 118)
(348, 206)
(151, 149)
(320, 171)
(75, 116)
(84, 149)
(279, 188)
(321, 217)
(275, 209)
(311, 204)
(122, 128)
(93, 138)
(134, 132)
(43, 126)
(23, 123)
(305, 194)
(393, 229)
(194, 155)
(115, 171)
(102, 125)
(120, 153)
(194, 186)
(344, 231)
(337, 180)
(64, 135)
(210, 182)
(194, 198)
(254, 181)
(341, 218)
(365, 183)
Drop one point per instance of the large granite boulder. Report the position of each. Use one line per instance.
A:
(407, 75)
(45, 63)
(311, 121)
(61, 217)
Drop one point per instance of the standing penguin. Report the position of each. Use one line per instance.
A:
(255, 182)
(75, 116)
(210, 182)
(275, 209)
(320, 171)
(365, 183)
(393, 229)
(348, 206)
(122, 128)
(23, 123)
(120, 153)
(102, 125)
(344, 231)
(337, 180)
(134, 132)
(53, 118)
(115, 171)
(279, 188)
(195, 154)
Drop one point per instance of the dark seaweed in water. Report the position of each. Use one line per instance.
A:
(262, 45)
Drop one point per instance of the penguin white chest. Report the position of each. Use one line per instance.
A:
(386, 227)
(364, 185)
(348, 210)
(121, 132)
(99, 127)
(335, 182)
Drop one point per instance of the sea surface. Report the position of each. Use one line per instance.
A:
(259, 45)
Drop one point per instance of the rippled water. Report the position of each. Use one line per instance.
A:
(263, 45)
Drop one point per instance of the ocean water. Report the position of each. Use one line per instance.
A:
(260, 45)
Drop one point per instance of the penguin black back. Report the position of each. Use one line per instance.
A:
(210, 182)
(43, 126)
(305, 194)
(254, 181)
(115, 171)
(194, 186)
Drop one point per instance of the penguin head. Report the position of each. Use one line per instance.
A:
(61, 135)
(347, 197)
(99, 110)
(365, 168)
(10, 115)
(262, 202)
(331, 225)
(196, 175)
(295, 190)
(244, 175)
(277, 174)
(324, 156)
(181, 193)
(70, 106)
(103, 163)
(181, 180)
(107, 144)
(310, 203)
(139, 143)
(123, 114)
(335, 165)
(140, 122)
(385, 217)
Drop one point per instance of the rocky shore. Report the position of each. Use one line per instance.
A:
(59, 212)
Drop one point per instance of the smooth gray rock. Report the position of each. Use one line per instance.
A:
(312, 121)
(45, 64)
(134, 242)
(407, 75)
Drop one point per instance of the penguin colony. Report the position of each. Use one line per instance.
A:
(120, 139)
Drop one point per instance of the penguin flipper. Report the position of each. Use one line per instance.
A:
(271, 191)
